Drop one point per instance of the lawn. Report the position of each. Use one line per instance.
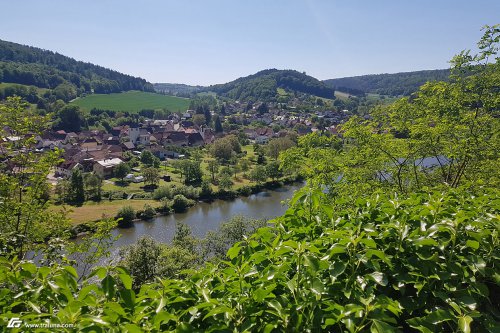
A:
(93, 211)
(132, 101)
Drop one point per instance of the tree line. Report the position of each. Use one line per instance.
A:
(398, 84)
(46, 69)
(263, 85)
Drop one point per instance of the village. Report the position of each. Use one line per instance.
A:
(100, 152)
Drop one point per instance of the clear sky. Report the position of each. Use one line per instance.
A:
(215, 41)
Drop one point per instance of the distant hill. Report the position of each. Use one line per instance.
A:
(46, 69)
(387, 84)
(263, 86)
(177, 89)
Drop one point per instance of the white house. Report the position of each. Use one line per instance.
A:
(105, 168)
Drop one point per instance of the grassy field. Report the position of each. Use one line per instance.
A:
(132, 101)
(341, 95)
(39, 91)
(92, 211)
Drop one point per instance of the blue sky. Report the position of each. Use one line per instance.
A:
(215, 41)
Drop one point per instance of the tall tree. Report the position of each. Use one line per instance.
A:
(151, 176)
(77, 189)
(121, 171)
(70, 119)
(218, 125)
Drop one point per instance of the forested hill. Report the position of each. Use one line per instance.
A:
(46, 69)
(264, 85)
(387, 84)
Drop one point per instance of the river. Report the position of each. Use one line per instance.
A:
(208, 216)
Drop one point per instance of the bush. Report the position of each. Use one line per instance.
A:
(245, 190)
(147, 213)
(170, 192)
(163, 192)
(180, 203)
(127, 216)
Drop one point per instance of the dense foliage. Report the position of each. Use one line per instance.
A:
(46, 69)
(429, 262)
(263, 85)
(387, 84)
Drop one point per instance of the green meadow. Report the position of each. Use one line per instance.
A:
(132, 101)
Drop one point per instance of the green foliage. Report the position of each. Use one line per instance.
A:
(190, 170)
(277, 145)
(273, 170)
(93, 186)
(125, 216)
(225, 182)
(142, 260)
(180, 203)
(206, 190)
(387, 84)
(151, 176)
(121, 170)
(170, 191)
(76, 188)
(92, 247)
(427, 263)
(263, 86)
(25, 221)
(258, 174)
(148, 212)
(46, 69)
(225, 148)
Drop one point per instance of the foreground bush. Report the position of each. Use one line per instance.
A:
(428, 263)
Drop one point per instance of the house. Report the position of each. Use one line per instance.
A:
(195, 139)
(66, 168)
(261, 139)
(134, 133)
(128, 145)
(105, 168)
(144, 139)
(90, 144)
(179, 139)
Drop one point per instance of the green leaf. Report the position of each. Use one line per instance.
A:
(162, 317)
(126, 280)
(472, 244)
(233, 251)
(379, 278)
(464, 324)
(311, 261)
(71, 270)
(108, 285)
(162, 303)
(381, 327)
(337, 268)
(133, 328)
(369, 242)
(220, 309)
(425, 242)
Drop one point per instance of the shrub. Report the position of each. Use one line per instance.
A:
(149, 212)
(126, 214)
(163, 192)
(180, 203)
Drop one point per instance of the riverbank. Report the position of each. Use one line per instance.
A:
(108, 209)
